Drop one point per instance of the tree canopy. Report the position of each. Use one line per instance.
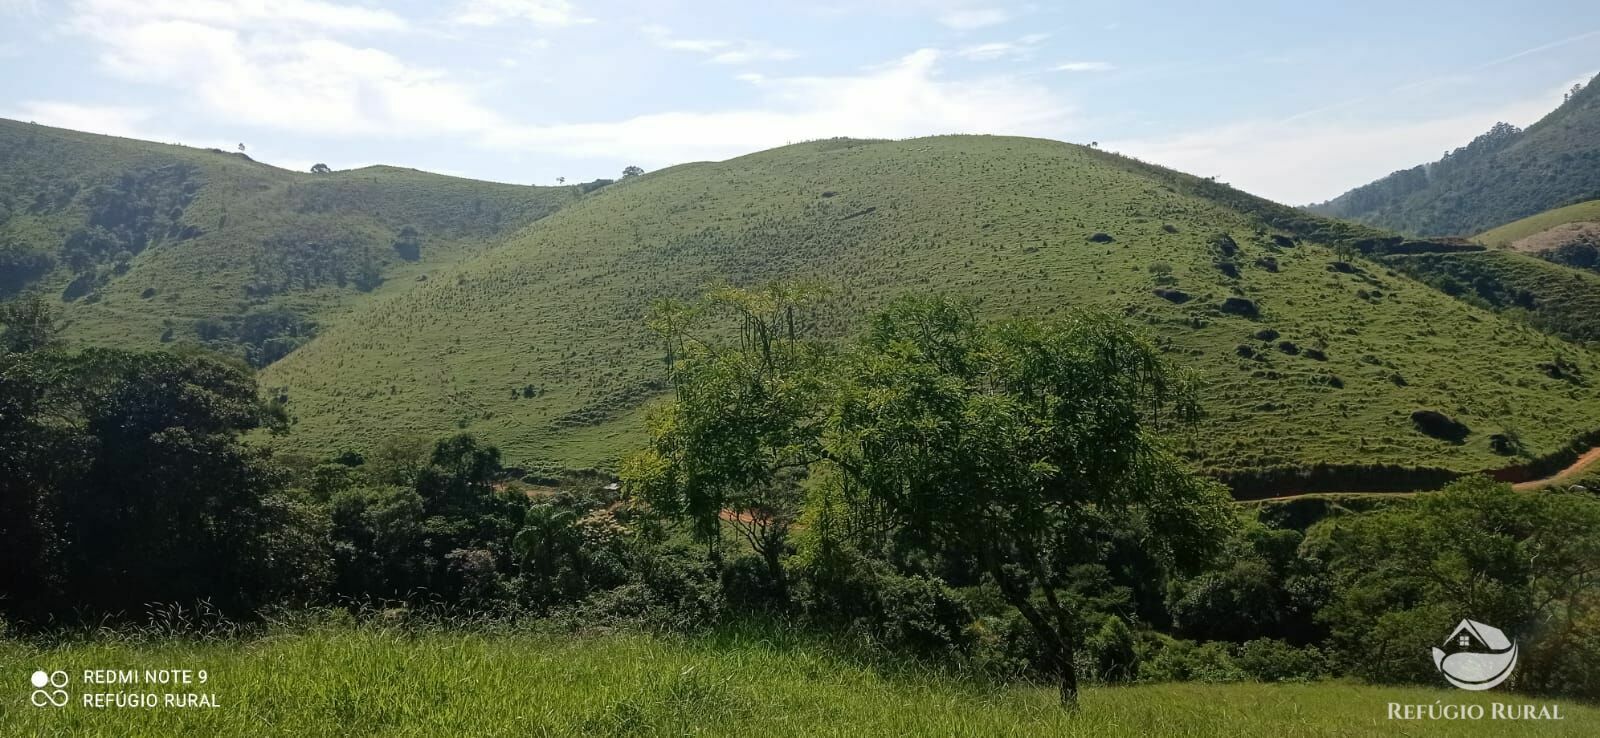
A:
(1002, 448)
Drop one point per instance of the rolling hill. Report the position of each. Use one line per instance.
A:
(147, 243)
(1310, 353)
(1558, 222)
(1503, 175)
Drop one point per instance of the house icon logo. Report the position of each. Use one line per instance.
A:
(1476, 656)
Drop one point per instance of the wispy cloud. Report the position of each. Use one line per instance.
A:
(967, 19)
(897, 100)
(1084, 66)
(112, 120)
(327, 85)
(719, 51)
(289, 70)
(1021, 48)
(255, 14)
(1463, 75)
(1307, 162)
(545, 13)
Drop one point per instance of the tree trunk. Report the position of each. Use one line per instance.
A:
(773, 557)
(1058, 652)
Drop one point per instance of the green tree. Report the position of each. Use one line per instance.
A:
(735, 443)
(1528, 563)
(1008, 446)
(35, 454)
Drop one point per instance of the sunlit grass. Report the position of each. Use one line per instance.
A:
(561, 307)
(343, 682)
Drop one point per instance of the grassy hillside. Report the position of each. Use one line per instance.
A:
(539, 345)
(1554, 298)
(343, 683)
(148, 242)
(1510, 233)
(1499, 177)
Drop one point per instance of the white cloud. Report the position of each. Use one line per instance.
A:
(1021, 48)
(718, 50)
(278, 72)
(546, 13)
(320, 85)
(1085, 66)
(1302, 162)
(252, 14)
(898, 100)
(967, 19)
(112, 120)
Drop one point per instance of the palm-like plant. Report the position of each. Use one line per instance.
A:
(545, 535)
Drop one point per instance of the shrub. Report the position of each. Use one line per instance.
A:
(1242, 306)
(1112, 653)
(1438, 425)
(1166, 659)
(1272, 660)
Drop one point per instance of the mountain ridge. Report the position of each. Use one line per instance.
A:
(1503, 175)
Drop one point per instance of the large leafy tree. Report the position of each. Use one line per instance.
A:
(1010, 446)
(126, 483)
(745, 425)
(1007, 449)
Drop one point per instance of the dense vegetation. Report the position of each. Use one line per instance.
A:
(1307, 351)
(1505, 174)
(838, 491)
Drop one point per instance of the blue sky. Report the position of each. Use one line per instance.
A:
(1297, 101)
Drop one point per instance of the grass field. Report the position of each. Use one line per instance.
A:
(1519, 229)
(344, 682)
(540, 346)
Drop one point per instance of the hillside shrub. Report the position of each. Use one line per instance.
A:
(1438, 425)
(1241, 306)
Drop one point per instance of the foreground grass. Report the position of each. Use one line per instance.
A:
(374, 682)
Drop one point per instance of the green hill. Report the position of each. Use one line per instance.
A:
(1552, 297)
(148, 242)
(1549, 221)
(1503, 175)
(1310, 355)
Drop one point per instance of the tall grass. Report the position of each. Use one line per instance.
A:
(373, 679)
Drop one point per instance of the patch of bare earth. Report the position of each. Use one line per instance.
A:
(1561, 235)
